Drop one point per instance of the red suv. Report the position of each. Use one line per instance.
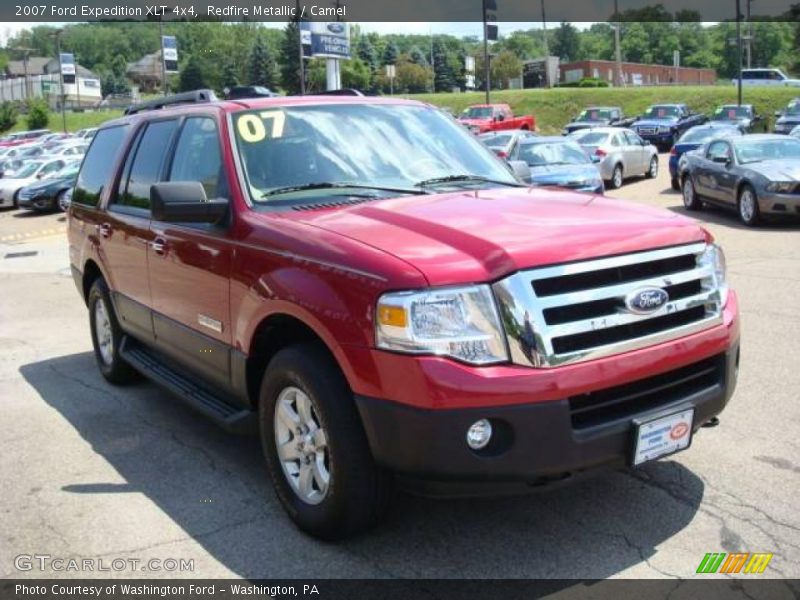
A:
(369, 288)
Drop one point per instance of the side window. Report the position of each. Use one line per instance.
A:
(197, 157)
(147, 165)
(51, 168)
(615, 140)
(718, 150)
(97, 165)
(633, 139)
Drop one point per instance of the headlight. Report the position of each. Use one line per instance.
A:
(462, 323)
(781, 187)
(714, 257)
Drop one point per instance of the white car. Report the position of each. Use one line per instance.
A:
(773, 77)
(67, 150)
(618, 153)
(30, 172)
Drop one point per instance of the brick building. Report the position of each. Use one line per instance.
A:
(636, 73)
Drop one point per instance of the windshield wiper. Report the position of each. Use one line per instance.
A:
(464, 178)
(335, 185)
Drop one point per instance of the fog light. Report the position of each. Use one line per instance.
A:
(479, 434)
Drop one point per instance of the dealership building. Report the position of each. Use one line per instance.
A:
(636, 73)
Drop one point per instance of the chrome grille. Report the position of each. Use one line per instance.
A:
(575, 312)
(647, 130)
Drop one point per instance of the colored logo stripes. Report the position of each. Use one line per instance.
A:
(741, 562)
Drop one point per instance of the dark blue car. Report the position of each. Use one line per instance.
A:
(663, 124)
(559, 162)
(693, 139)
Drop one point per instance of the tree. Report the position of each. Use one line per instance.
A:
(230, 76)
(504, 67)
(355, 74)
(290, 59)
(390, 54)
(635, 44)
(8, 116)
(262, 68)
(38, 114)
(418, 57)
(412, 78)
(566, 42)
(444, 77)
(192, 76)
(366, 53)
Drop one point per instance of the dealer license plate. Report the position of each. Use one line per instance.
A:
(662, 436)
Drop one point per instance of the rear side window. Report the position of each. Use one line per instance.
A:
(97, 165)
(148, 162)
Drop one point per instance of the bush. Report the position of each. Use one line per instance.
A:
(8, 116)
(38, 114)
(587, 82)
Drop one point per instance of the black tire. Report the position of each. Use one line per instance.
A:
(749, 216)
(617, 177)
(676, 184)
(359, 492)
(690, 199)
(652, 169)
(114, 369)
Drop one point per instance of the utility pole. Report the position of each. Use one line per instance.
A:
(546, 49)
(62, 95)
(163, 64)
(433, 65)
(302, 70)
(486, 66)
(749, 35)
(739, 48)
(617, 49)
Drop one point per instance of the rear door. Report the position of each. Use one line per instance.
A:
(190, 263)
(127, 228)
(638, 149)
(632, 153)
(712, 174)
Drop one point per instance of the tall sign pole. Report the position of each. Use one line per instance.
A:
(62, 95)
(302, 70)
(163, 59)
(486, 69)
(546, 49)
(617, 49)
(739, 48)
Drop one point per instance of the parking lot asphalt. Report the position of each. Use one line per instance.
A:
(93, 471)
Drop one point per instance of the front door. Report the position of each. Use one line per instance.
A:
(190, 264)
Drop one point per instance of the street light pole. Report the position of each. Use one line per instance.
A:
(61, 80)
(302, 70)
(546, 49)
(163, 63)
(486, 66)
(617, 49)
(739, 48)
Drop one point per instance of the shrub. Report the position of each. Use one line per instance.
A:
(38, 114)
(8, 116)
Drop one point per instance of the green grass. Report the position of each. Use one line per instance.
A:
(554, 108)
(75, 121)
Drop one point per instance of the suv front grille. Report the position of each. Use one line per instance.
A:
(625, 401)
(578, 311)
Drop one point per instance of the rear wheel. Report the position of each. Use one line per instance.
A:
(315, 446)
(748, 206)
(690, 199)
(107, 336)
(616, 178)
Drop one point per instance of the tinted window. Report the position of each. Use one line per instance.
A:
(717, 150)
(147, 163)
(197, 156)
(98, 164)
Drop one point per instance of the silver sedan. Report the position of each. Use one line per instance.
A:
(619, 153)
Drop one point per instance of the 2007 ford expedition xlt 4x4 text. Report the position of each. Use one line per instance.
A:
(371, 289)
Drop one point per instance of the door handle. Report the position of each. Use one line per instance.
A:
(104, 230)
(159, 246)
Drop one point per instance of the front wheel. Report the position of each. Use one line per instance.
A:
(748, 207)
(690, 199)
(652, 170)
(315, 446)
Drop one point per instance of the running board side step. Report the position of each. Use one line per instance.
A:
(231, 418)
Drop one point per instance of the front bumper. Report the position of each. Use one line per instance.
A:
(541, 442)
(779, 204)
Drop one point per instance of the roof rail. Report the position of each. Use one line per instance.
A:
(193, 97)
(340, 92)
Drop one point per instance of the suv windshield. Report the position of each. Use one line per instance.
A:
(725, 113)
(477, 112)
(660, 112)
(594, 114)
(383, 148)
(793, 109)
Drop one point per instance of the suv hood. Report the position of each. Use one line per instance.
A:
(655, 122)
(482, 236)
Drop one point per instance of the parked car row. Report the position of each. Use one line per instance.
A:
(38, 168)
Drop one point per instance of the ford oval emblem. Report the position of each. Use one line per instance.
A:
(646, 300)
(336, 27)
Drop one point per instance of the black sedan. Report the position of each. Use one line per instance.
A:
(49, 193)
(744, 116)
(754, 174)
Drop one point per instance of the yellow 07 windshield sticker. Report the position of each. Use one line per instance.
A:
(253, 128)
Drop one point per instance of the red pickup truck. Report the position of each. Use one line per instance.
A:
(368, 287)
(480, 118)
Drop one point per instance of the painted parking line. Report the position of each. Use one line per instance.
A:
(16, 237)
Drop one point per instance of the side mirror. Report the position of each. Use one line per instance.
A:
(521, 170)
(723, 160)
(184, 202)
(500, 117)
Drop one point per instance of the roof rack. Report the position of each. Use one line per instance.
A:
(193, 97)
